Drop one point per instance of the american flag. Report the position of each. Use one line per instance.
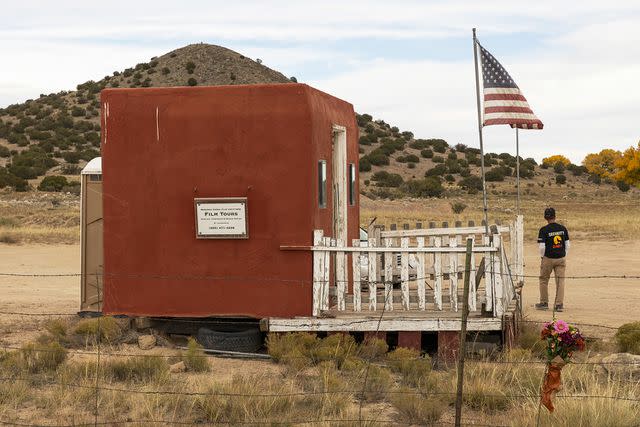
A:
(504, 103)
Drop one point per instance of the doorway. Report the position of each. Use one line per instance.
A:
(339, 184)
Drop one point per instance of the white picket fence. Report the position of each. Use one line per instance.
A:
(417, 270)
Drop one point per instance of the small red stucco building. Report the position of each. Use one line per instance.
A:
(202, 186)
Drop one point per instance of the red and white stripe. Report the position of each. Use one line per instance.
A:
(507, 106)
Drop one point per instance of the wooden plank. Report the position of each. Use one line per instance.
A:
(318, 272)
(426, 249)
(472, 280)
(421, 272)
(453, 276)
(357, 286)
(447, 231)
(373, 285)
(326, 280)
(311, 324)
(341, 277)
(437, 272)
(488, 276)
(389, 259)
(404, 273)
(498, 279)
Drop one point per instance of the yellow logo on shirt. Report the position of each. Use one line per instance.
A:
(557, 240)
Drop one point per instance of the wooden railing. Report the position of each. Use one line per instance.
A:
(417, 270)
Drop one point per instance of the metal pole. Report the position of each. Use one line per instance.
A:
(484, 183)
(517, 173)
(463, 331)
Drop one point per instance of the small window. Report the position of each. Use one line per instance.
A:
(322, 183)
(352, 184)
(95, 177)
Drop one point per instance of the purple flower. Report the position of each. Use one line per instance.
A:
(561, 326)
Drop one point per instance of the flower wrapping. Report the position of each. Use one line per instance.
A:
(562, 341)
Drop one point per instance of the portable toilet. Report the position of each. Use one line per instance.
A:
(91, 237)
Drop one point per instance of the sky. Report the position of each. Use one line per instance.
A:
(409, 63)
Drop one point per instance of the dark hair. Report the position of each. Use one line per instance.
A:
(549, 213)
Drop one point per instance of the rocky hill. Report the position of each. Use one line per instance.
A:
(58, 133)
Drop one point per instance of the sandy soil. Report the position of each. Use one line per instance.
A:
(601, 301)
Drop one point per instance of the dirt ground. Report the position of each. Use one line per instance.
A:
(599, 301)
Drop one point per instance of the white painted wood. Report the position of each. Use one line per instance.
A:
(326, 275)
(341, 278)
(424, 232)
(427, 249)
(453, 275)
(498, 279)
(311, 324)
(373, 285)
(473, 305)
(339, 182)
(488, 275)
(404, 273)
(421, 272)
(357, 286)
(437, 273)
(318, 272)
(389, 259)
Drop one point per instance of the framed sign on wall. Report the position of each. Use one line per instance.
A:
(221, 218)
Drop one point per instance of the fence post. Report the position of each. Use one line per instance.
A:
(463, 331)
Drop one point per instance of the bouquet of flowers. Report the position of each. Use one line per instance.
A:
(562, 341)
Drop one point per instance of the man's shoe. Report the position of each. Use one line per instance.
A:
(558, 307)
(542, 306)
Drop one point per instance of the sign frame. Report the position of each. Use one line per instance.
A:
(221, 200)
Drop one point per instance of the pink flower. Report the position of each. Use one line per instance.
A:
(561, 326)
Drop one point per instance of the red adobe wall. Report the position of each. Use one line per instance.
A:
(259, 142)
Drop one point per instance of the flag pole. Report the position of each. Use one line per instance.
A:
(484, 183)
(517, 173)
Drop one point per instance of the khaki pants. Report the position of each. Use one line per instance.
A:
(557, 265)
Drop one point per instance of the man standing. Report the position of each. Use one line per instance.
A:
(553, 242)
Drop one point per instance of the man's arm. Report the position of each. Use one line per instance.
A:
(567, 245)
(541, 245)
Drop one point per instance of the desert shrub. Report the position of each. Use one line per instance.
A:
(418, 144)
(452, 155)
(437, 170)
(247, 405)
(596, 179)
(449, 178)
(7, 179)
(561, 179)
(78, 111)
(53, 183)
(628, 338)
(102, 329)
(427, 153)
(558, 167)
(439, 145)
(386, 179)
(136, 369)
(335, 348)
(165, 71)
(373, 349)
(190, 67)
(401, 159)
(494, 174)
(30, 163)
(364, 165)
(416, 409)
(70, 169)
(291, 347)
(623, 186)
(428, 187)
(453, 166)
(471, 183)
(192, 81)
(364, 140)
(411, 165)
(465, 172)
(194, 357)
(363, 119)
(374, 383)
(378, 158)
(408, 363)
(458, 207)
(529, 339)
(411, 158)
(42, 357)
(437, 159)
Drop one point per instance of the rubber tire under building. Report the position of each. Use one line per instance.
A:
(247, 341)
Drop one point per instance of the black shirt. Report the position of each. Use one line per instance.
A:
(554, 237)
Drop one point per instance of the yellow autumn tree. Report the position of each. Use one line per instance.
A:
(628, 166)
(603, 163)
(552, 160)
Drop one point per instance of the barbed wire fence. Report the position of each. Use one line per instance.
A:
(98, 387)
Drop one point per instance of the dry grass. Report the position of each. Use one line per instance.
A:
(194, 358)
